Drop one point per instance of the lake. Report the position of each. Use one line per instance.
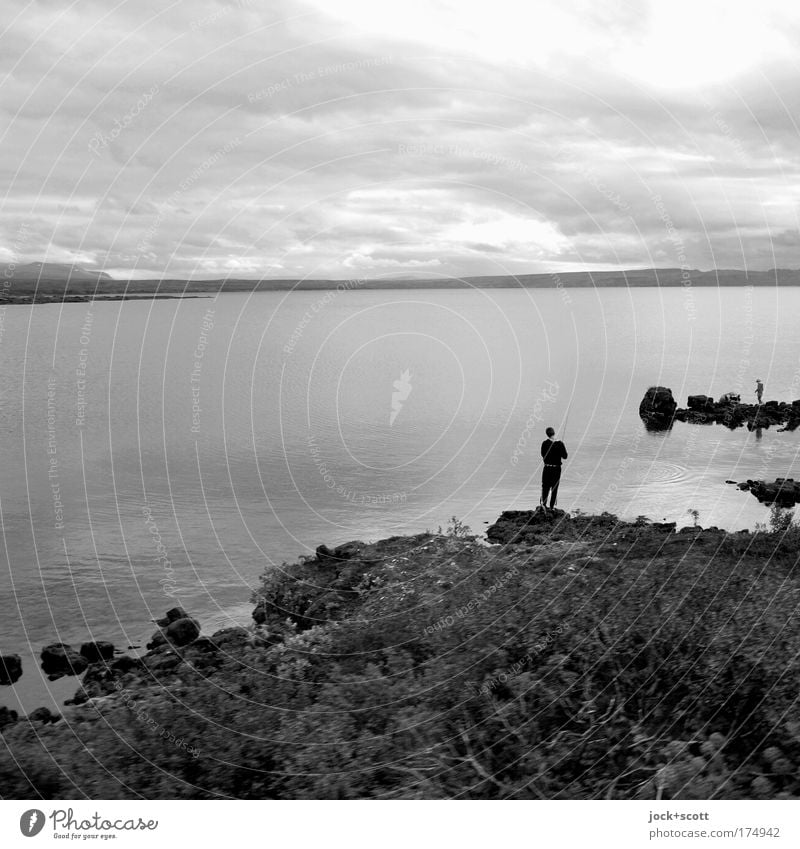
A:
(167, 452)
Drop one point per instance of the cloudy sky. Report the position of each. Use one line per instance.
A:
(341, 138)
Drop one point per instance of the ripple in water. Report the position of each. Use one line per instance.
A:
(655, 472)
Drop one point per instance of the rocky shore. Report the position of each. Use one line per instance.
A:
(565, 656)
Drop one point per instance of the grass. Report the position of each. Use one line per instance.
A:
(609, 660)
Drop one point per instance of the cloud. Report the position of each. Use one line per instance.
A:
(312, 138)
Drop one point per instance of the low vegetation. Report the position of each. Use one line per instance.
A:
(591, 659)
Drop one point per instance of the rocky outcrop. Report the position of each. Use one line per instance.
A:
(728, 411)
(515, 526)
(657, 408)
(785, 492)
(10, 668)
(59, 659)
(537, 527)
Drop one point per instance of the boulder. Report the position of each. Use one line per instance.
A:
(60, 659)
(158, 639)
(183, 631)
(657, 408)
(7, 716)
(99, 650)
(43, 714)
(10, 668)
(700, 403)
(171, 616)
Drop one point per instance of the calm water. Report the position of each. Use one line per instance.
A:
(246, 430)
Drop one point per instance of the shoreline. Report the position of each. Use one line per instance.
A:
(20, 300)
(427, 605)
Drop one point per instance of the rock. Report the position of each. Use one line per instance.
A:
(700, 402)
(10, 668)
(171, 616)
(784, 492)
(525, 525)
(657, 408)
(729, 411)
(230, 637)
(346, 551)
(7, 716)
(204, 645)
(158, 639)
(324, 553)
(183, 631)
(260, 614)
(125, 664)
(164, 662)
(99, 650)
(60, 659)
(43, 714)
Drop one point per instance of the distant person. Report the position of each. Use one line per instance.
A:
(759, 389)
(553, 452)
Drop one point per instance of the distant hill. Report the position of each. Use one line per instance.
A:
(51, 281)
(51, 272)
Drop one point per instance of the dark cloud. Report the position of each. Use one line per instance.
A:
(304, 138)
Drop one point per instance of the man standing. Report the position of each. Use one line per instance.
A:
(759, 389)
(553, 452)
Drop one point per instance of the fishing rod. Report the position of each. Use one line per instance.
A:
(566, 419)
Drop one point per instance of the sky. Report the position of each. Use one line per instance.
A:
(428, 138)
